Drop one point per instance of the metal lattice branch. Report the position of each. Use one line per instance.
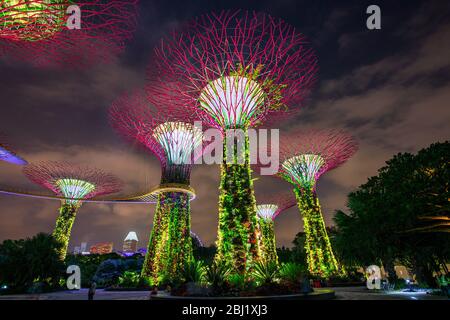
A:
(72, 181)
(36, 31)
(171, 137)
(271, 206)
(306, 155)
(234, 68)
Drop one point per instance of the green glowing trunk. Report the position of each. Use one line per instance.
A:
(319, 253)
(170, 244)
(179, 243)
(268, 243)
(63, 228)
(237, 244)
(156, 250)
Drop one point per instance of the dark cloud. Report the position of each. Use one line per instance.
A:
(389, 87)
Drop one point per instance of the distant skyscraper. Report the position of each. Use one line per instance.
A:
(130, 242)
(102, 248)
(77, 250)
(83, 247)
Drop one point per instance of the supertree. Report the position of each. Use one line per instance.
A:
(8, 155)
(175, 141)
(234, 69)
(47, 32)
(267, 211)
(74, 183)
(305, 156)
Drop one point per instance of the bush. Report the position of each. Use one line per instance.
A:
(109, 271)
(31, 263)
(265, 272)
(237, 282)
(129, 279)
(194, 272)
(292, 273)
(216, 274)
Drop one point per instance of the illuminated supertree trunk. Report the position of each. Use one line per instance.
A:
(73, 184)
(237, 238)
(267, 212)
(268, 242)
(319, 253)
(304, 157)
(173, 141)
(63, 228)
(233, 69)
(179, 242)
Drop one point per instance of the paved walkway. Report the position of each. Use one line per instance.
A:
(362, 293)
(82, 295)
(342, 293)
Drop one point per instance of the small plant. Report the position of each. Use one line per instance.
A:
(216, 274)
(292, 272)
(265, 272)
(237, 281)
(194, 272)
(129, 279)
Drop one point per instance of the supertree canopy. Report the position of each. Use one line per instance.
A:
(175, 141)
(48, 32)
(267, 211)
(7, 155)
(304, 157)
(32, 20)
(74, 184)
(234, 69)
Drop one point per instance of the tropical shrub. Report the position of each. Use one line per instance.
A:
(237, 281)
(129, 279)
(292, 272)
(216, 274)
(30, 263)
(265, 273)
(194, 272)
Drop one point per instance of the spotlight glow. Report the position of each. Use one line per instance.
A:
(266, 211)
(179, 140)
(232, 101)
(74, 189)
(303, 169)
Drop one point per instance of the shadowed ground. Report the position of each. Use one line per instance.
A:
(342, 293)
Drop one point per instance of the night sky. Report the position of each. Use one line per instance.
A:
(389, 87)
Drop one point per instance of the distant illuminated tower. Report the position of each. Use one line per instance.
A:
(130, 243)
(235, 70)
(304, 157)
(7, 155)
(73, 184)
(174, 139)
(267, 211)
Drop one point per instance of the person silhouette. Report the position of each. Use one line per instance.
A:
(91, 291)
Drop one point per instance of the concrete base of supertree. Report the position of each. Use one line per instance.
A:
(237, 243)
(319, 253)
(63, 228)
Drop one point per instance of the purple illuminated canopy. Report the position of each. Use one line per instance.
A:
(11, 157)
